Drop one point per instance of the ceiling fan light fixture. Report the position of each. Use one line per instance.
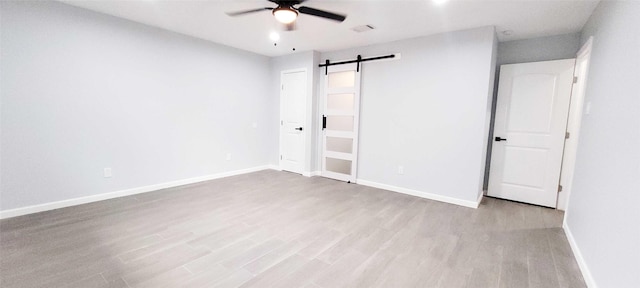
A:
(285, 15)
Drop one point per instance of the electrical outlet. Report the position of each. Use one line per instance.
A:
(254, 125)
(401, 170)
(107, 172)
(228, 156)
(587, 110)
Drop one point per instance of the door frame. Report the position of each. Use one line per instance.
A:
(577, 105)
(305, 122)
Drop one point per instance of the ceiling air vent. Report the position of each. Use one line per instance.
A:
(363, 28)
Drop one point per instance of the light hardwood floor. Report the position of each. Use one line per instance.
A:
(276, 229)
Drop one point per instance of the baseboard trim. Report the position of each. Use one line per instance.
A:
(586, 273)
(480, 199)
(122, 193)
(311, 173)
(274, 167)
(421, 194)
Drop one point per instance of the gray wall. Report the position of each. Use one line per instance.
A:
(603, 214)
(426, 111)
(82, 91)
(539, 49)
(529, 50)
(491, 108)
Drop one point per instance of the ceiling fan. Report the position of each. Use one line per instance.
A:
(286, 14)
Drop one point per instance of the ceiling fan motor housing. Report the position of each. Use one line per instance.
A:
(287, 14)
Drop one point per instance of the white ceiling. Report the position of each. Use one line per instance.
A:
(393, 20)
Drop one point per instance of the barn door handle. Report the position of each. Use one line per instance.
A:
(500, 139)
(299, 128)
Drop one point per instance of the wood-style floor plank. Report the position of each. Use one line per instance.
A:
(277, 229)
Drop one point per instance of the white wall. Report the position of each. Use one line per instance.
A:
(309, 61)
(603, 215)
(82, 91)
(426, 112)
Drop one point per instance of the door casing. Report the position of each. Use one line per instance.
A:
(583, 58)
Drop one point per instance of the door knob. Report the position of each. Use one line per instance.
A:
(299, 128)
(500, 139)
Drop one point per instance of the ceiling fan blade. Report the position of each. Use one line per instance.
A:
(243, 12)
(321, 13)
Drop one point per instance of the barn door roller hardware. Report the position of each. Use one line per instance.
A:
(327, 63)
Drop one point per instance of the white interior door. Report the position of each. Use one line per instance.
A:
(530, 125)
(341, 112)
(292, 122)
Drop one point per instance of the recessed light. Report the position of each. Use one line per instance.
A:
(439, 2)
(274, 36)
